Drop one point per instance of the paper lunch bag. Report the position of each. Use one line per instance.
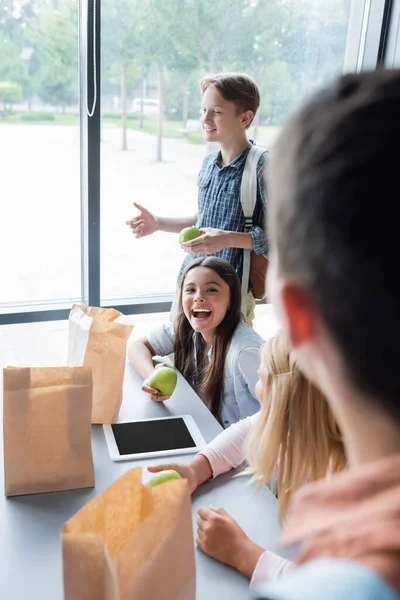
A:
(98, 341)
(131, 542)
(47, 429)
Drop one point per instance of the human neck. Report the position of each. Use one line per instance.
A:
(232, 149)
(369, 434)
(208, 337)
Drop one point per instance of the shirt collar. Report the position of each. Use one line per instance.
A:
(236, 162)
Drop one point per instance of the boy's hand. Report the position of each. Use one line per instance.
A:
(144, 224)
(210, 242)
(219, 536)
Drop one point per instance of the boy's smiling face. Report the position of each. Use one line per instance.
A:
(221, 119)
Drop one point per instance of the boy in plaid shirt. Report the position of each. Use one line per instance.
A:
(230, 102)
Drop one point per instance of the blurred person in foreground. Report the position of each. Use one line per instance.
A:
(334, 186)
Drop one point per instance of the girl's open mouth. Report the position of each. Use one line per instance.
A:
(201, 313)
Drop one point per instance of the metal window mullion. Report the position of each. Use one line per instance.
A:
(90, 160)
(383, 42)
(370, 55)
(366, 34)
(391, 56)
(356, 31)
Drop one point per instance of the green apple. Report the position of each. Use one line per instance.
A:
(164, 476)
(189, 233)
(163, 379)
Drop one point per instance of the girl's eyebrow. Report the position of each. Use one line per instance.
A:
(208, 283)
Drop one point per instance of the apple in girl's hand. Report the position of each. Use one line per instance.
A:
(164, 476)
(189, 233)
(163, 379)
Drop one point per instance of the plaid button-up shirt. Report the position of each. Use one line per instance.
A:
(219, 205)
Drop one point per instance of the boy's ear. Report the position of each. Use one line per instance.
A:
(300, 314)
(247, 117)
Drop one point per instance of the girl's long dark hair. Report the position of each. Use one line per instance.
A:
(207, 378)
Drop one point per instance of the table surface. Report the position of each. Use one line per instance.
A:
(30, 548)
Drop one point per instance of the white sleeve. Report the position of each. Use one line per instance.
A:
(162, 340)
(270, 566)
(226, 451)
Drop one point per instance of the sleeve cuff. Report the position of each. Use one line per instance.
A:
(260, 242)
(215, 465)
(269, 566)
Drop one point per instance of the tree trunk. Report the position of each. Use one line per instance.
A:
(123, 107)
(141, 117)
(185, 104)
(213, 58)
(160, 109)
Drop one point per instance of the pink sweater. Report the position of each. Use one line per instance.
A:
(224, 453)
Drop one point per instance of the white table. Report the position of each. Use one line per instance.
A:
(30, 544)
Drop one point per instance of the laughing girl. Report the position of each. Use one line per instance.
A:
(216, 352)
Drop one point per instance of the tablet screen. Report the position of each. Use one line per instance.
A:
(152, 436)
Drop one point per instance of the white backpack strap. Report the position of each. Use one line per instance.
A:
(248, 199)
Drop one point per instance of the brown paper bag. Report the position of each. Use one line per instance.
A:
(47, 431)
(98, 341)
(131, 542)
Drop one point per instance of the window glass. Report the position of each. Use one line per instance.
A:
(39, 152)
(153, 55)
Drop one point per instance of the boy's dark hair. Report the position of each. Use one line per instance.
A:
(207, 378)
(335, 181)
(239, 88)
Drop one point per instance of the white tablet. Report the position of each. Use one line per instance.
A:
(163, 436)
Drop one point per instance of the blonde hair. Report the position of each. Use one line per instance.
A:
(295, 438)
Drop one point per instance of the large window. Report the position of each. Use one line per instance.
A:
(39, 153)
(154, 53)
(68, 179)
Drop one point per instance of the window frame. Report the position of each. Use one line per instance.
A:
(391, 58)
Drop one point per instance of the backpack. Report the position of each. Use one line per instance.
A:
(254, 265)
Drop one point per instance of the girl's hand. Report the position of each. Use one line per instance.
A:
(219, 536)
(185, 471)
(153, 393)
(196, 472)
(211, 241)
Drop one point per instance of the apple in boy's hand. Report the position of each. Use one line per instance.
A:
(163, 379)
(164, 476)
(189, 233)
